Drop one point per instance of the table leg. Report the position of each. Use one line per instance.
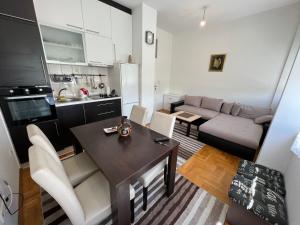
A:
(77, 146)
(188, 130)
(171, 171)
(120, 204)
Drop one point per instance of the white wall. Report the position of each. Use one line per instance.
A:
(145, 19)
(285, 125)
(9, 167)
(275, 151)
(163, 66)
(256, 46)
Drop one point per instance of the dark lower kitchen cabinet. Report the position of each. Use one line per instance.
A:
(21, 52)
(76, 115)
(21, 141)
(22, 9)
(69, 116)
(97, 111)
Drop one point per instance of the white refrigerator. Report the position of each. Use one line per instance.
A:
(125, 80)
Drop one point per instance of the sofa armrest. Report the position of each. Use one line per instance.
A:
(176, 104)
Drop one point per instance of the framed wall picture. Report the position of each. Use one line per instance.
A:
(149, 37)
(217, 63)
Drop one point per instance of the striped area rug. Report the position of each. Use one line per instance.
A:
(188, 205)
(188, 145)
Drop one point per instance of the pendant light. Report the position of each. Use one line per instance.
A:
(203, 21)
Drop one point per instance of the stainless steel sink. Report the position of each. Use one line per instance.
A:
(69, 99)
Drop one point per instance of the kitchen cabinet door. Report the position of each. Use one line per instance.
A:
(52, 131)
(97, 17)
(24, 9)
(69, 116)
(97, 111)
(22, 59)
(121, 34)
(65, 13)
(99, 50)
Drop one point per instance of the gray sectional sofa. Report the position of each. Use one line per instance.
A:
(235, 128)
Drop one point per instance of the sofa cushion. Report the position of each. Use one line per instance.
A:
(252, 112)
(269, 178)
(204, 113)
(226, 107)
(261, 201)
(263, 119)
(236, 108)
(192, 100)
(212, 103)
(235, 129)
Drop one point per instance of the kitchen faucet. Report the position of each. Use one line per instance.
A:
(59, 92)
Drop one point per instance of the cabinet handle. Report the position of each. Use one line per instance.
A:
(84, 115)
(16, 17)
(73, 26)
(96, 62)
(57, 132)
(100, 114)
(92, 31)
(44, 71)
(104, 104)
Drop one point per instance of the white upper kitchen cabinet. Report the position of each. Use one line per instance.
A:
(63, 13)
(100, 51)
(121, 34)
(97, 17)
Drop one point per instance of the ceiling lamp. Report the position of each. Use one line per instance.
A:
(203, 21)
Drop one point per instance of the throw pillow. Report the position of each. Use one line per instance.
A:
(212, 103)
(252, 112)
(226, 107)
(263, 119)
(193, 100)
(236, 108)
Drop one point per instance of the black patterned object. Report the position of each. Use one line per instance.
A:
(256, 196)
(267, 177)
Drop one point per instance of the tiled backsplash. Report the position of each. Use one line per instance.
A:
(85, 77)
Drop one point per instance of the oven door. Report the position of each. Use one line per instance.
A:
(22, 110)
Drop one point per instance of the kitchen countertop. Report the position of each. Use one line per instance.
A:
(83, 101)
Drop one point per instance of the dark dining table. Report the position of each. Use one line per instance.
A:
(124, 159)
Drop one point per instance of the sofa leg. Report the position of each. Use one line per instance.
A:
(166, 175)
(132, 210)
(145, 197)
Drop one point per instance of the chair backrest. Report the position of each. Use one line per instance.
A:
(38, 138)
(163, 123)
(48, 173)
(139, 115)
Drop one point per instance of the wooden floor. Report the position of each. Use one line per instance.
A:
(212, 170)
(209, 168)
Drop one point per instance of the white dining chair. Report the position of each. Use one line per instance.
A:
(164, 124)
(139, 115)
(86, 204)
(78, 168)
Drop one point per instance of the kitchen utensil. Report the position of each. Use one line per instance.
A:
(101, 84)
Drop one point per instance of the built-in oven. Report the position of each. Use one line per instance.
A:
(25, 105)
(21, 106)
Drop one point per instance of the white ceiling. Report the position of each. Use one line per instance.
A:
(180, 15)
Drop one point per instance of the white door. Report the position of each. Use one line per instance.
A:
(99, 50)
(97, 17)
(121, 23)
(158, 95)
(65, 13)
(130, 83)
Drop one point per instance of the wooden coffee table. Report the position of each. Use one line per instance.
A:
(188, 118)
